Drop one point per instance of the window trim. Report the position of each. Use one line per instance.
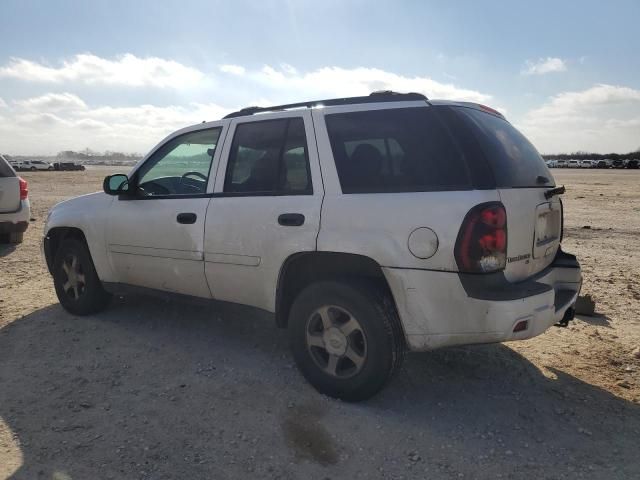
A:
(274, 193)
(133, 180)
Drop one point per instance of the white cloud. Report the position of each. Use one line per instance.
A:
(51, 122)
(3, 104)
(129, 129)
(595, 96)
(53, 102)
(233, 69)
(127, 70)
(290, 85)
(39, 120)
(544, 65)
(603, 118)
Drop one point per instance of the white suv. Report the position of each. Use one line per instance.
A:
(15, 210)
(34, 165)
(369, 226)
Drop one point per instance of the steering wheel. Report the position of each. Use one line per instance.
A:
(195, 174)
(191, 185)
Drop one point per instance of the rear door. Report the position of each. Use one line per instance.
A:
(9, 188)
(534, 222)
(266, 206)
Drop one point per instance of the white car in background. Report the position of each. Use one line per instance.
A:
(441, 225)
(573, 164)
(15, 164)
(35, 165)
(15, 210)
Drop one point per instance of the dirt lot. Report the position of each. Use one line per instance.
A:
(156, 390)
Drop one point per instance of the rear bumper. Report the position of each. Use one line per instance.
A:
(16, 222)
(441, 309)
(11, 227)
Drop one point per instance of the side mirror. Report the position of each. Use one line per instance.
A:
(116, 184)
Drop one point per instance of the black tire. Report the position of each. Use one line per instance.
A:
(380, 332)
(89, 296)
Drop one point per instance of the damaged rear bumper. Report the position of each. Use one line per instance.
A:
(440, 309)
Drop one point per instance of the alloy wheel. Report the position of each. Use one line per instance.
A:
(336, 341)
(73, 281)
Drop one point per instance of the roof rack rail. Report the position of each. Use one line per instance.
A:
(374, 97)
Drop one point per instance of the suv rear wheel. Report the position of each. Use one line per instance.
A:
(77, 284)
(346, 338)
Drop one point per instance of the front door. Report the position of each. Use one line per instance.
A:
(266, 206)
(155, 236)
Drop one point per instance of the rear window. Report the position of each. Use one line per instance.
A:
(395, 150)
(514, 160)
(5, 168)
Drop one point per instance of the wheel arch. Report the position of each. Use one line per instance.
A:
(301, 269)
(54, 238)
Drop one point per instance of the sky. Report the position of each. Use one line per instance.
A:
(120, 75)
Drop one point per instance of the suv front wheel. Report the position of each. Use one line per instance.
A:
(77, 284)
(346, 338)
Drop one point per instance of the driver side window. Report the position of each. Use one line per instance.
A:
(181, 166)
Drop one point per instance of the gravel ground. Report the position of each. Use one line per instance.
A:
(155, 390)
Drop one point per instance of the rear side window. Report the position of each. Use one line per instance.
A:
(5, 168)
(395, 150)
(269, 157)
(515, 162)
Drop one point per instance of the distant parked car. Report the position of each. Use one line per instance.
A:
(634, 163)
(617, 163)
(33, 165)
(40, 165)
(586, 164)
(602, 164)
(573, 164)
(68, 166)
(561, 164)
(15, 210)
(552, 163)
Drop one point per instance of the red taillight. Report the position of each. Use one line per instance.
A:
(24, 188)
(482, 241)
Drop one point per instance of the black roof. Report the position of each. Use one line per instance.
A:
(375, 97)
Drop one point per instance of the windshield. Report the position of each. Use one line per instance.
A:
(514, 160)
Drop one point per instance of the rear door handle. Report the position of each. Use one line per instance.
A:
(187, 218)
(291, 219)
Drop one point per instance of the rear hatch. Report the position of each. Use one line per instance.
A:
(534, 223)
(9, 188)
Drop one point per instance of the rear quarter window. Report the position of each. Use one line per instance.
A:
(395, 150)
(515, 162)
(5, 168)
